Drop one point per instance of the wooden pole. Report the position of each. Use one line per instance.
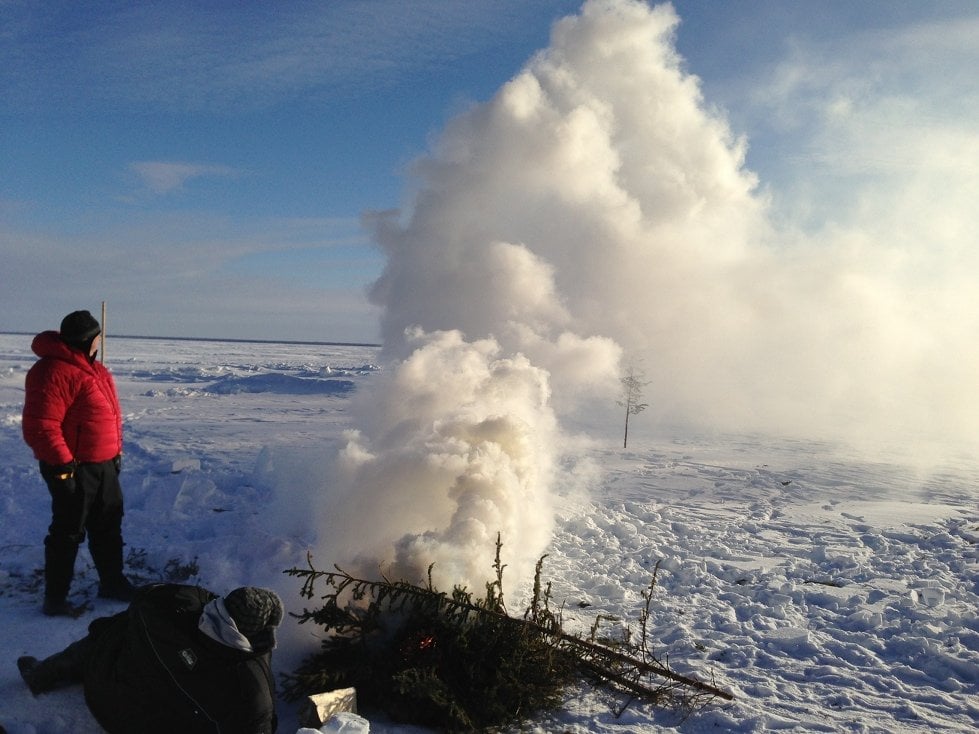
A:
(103, 333)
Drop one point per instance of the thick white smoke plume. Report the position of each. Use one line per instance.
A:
(456, 447)
(596, 210)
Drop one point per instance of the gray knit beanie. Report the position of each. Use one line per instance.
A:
(254, 610)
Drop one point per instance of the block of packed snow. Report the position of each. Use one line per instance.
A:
(788, 638)
(346, 722)
(181, 465)
(317, 709)
(930, 596)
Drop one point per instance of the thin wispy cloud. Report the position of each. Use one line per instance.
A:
(927, 67)
(202, 58)
(165, 177)
(887, 110)
(148, 140)
(192, 273)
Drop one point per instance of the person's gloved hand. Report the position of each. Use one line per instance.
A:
(60, 475)
(117, 462)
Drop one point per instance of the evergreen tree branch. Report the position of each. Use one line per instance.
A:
(601, 660)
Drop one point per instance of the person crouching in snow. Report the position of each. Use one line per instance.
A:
(179, 659)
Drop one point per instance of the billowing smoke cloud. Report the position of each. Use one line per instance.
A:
(599, 195)
(593, 205)
(597, 210)
(456, 447)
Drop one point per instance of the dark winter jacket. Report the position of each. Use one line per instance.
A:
(154, 672)
(71, 410)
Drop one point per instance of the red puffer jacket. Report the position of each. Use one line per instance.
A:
(71, 410)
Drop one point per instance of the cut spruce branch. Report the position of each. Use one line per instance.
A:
(463, 663)
(341, 580)
(654, 667)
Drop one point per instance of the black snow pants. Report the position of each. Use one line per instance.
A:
(94, 507)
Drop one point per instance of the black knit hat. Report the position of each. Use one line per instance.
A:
(254, 610)
(79, 328)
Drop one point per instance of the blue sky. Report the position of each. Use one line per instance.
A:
(203, 167)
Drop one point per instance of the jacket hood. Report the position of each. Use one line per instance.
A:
(50, 344)
(216, 622)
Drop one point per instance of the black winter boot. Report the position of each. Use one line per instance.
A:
(59, 566)
(106, 549)
(120, 589)
(62, 608)
(59, 670)
(27, 665)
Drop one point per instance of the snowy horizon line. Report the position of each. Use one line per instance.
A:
(232, 340)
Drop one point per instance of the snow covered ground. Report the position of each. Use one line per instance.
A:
(827, 589)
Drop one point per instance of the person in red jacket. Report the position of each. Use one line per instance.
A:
(73, 424)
